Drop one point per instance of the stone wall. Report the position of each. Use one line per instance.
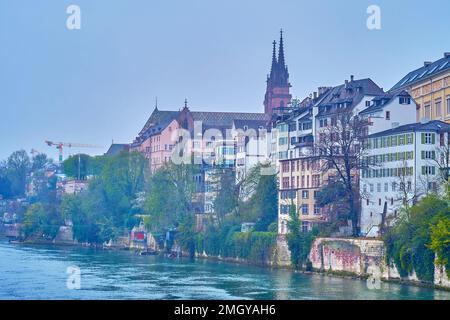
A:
(356, 256)
(282, 253)
(361, 257)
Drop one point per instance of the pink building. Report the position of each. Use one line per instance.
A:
(158, 137)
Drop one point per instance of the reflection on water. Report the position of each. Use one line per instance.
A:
(39, 272)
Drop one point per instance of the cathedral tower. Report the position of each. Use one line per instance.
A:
(277, 98)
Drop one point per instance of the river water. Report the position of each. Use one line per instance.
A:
(40, 272)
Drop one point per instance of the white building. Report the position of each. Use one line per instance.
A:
(402, 165)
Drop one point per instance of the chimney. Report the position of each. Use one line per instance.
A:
(352, 77)
(427, 63)
(446, 54)
(346, 84)
(315, 95)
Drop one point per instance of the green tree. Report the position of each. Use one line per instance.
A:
(40, 220)
(408, 243)
(78, 166)
(18, 167)
(299, 242)
(440, 241)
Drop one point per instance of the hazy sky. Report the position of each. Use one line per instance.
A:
(99, 83)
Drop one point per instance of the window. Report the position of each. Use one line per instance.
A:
(427, 111)
(367, 103)
(386, 187)
(388, 115)
(405, 100)
(428, 170)
(438, 110)
(371, 187)
(305, 226)
(305, 194)
(305, 209)
(428, 138)
(448, 104)
(323, 123)
(428, 154)
(378, 187)
(316, 209)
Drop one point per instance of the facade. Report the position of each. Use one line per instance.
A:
(301, 170)
(301, 173)
(158, 138)
(402, 165)
(430, 88)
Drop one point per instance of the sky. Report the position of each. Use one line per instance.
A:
(99, 83)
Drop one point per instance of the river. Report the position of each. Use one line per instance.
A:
(39, 272)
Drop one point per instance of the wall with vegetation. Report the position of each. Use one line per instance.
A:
(363, 257)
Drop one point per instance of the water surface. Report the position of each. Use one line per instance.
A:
(39, 272)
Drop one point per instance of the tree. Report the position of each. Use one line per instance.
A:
(18, 167)
(226, 200)
(41, 220)
(78, 166)
(265, 201)
(408, 242)
(299, 242)
(5, 184)
(341, 148)
(440, 241)
(39, 162)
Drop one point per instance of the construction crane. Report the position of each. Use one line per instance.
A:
(61, 145)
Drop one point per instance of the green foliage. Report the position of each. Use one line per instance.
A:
(229, 242)
(299, 242)
(440, 242)
(107, 208)
(78, 166)
(226, 200)
(409, 244)
(261, 202)
(18, 166)
(41, 221)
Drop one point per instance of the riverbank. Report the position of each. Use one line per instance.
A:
(341, 262)
(118, 274)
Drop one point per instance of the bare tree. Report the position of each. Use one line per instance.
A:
(341, 148)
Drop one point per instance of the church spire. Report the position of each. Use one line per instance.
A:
(281, 61)
(274, 58)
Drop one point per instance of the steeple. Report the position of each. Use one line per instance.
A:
(274, 59)
(281, 61)
(277, 98)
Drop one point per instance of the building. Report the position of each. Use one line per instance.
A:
(157, 138)
(402, 164)
(302, 173)
(430, 88)
(277, 98)
(389, 111)
(117, 148)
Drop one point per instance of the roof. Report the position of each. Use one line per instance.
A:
(380, 101)
(159, 120)
(423, 73)
(226, 118)
(116, 148)
(252, 124)
(350, 94)
(435, 125)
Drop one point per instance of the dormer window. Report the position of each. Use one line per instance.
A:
(388, 115)
(245, 128)
(405, 100)
(367, 103)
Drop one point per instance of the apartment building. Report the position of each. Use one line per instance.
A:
(429, 85)
(402, 164)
